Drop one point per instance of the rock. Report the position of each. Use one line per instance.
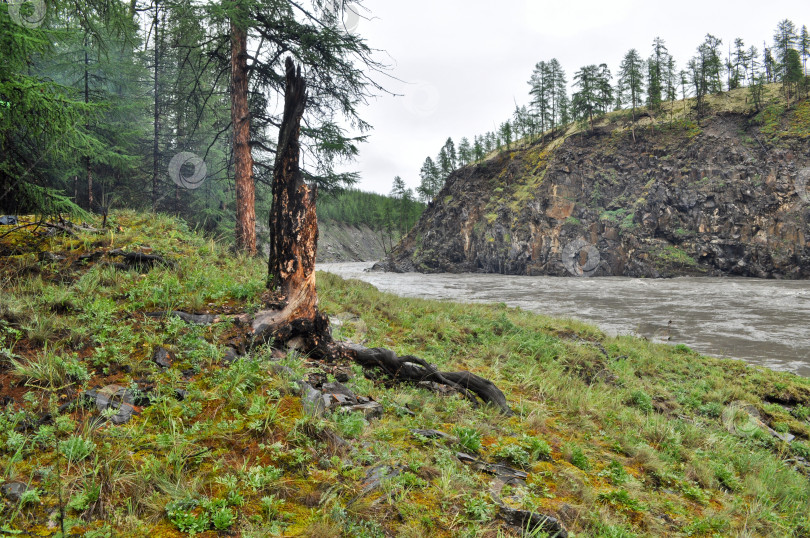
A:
(532, 522)
(230, 356)
(116, 397)
(374, 478)
(283, 371)
(370, 410)
(743, 419)
(161, 357)
(13, 491)
(50, 257)
(684, 206)
(8, 220)
(312, 400)
(435, 434)
(196, 319)
(503, 472)
(340, 390)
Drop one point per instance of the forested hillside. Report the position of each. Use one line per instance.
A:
(647, 88)
(630, 180)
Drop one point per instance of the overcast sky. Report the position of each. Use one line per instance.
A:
(464, 63)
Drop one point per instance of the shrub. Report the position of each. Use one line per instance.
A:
(468, 438)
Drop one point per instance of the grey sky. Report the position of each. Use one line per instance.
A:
(464, 63)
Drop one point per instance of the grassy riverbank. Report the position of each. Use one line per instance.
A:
(618, 436)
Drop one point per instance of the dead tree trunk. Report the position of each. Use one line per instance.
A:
(293, 232)
(293, 245)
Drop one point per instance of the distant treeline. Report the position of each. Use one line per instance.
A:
(391, 216)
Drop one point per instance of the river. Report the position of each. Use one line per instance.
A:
(764, 322)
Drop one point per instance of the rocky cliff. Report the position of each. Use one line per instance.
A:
(727, 196)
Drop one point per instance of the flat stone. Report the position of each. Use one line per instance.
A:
(116, 397)
(13, 491)
(370, 410)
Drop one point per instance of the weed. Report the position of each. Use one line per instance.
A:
(468, 438)
(349, 425)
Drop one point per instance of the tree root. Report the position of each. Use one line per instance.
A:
(314, 338)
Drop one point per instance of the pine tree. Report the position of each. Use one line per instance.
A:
(804, 47)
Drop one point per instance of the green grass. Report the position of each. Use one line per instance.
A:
(237, 454)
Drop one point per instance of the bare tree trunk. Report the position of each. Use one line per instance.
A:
(243, 160)
(293, 222)
(156, 123)
(87, 127)
(293, 245)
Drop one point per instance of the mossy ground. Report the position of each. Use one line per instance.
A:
(619, 436)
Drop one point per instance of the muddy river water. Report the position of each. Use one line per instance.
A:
(764, 322)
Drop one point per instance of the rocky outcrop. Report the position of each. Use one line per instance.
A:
(719, 198)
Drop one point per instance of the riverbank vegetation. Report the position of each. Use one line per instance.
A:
(121, 419)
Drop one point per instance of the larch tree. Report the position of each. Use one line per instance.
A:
(631, 82)
(655, 75)
(785, 39)
(252, 37)
(585, 102)
(464, 152)
(540, 92)
(739, 61)
(45, 124)
(558, 93)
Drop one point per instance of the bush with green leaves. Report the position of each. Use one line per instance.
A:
(622, 500)
(615, 473)
(76, 448)
(579, 459)
(188, 516)
(260, 477)
(468, 438)
(478, 509)
(525, 451)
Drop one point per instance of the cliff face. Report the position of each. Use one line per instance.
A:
(726, 197)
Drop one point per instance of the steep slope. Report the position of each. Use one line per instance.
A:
(728, 196)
